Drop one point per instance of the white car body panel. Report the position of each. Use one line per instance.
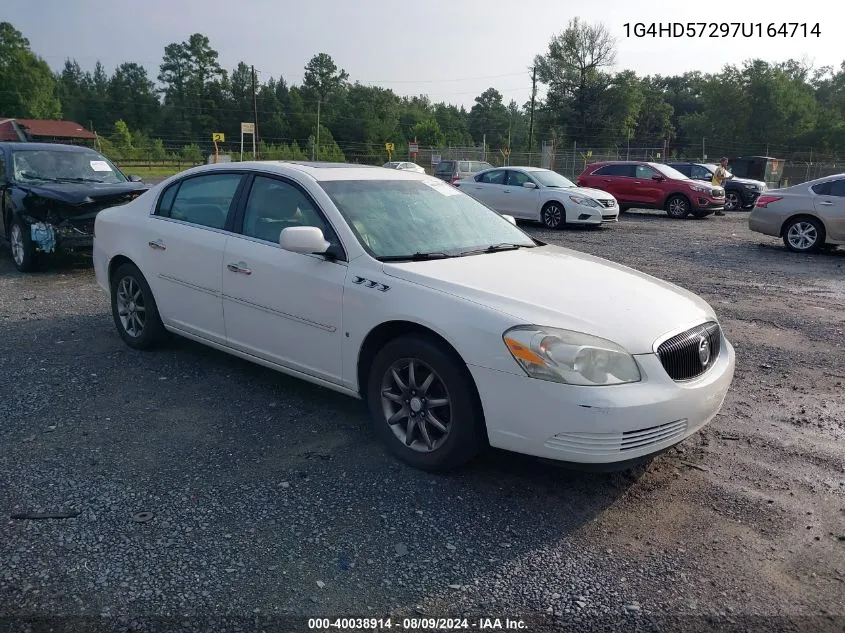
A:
(526, 203)
(308, 316)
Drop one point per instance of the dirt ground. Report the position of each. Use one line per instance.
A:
(271, 498)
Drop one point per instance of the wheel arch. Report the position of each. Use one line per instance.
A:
(116, 262)
(677, 194)
(801, 216)
(385, 332)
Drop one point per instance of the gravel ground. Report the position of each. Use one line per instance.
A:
(270, 501)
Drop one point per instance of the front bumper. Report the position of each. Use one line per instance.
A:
(705, 203)
(580, 214)
(601, 425)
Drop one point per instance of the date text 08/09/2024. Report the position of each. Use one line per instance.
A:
(416, 624)
(722, 29)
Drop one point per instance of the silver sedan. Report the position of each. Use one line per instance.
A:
(806, 216)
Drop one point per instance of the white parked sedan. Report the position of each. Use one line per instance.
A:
(541, 195)
(401, 290)
(405, 166)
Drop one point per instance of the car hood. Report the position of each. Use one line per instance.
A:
(74, 193)
(559, 287)
(597, 194)
(748, 181)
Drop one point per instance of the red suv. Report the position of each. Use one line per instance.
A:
(653, 186)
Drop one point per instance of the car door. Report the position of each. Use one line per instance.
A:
(281, 306)
(646, 190)
(488, 187)
(5, 200)
(830, 205)
(185, 246)
(617, 180)
(521, 201)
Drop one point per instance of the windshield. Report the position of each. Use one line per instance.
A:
(64, 166)
(551, 179)
(402, 218)
(670, 172)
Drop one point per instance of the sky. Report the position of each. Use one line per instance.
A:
(451, 50)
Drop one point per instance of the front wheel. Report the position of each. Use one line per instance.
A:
(677, 207)
(423, 405)
(803, 235)
(553, 216)
(134, 309)
(732, 201)
(23, 250)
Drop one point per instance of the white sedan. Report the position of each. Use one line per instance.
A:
(401, 290)
(405, 166)
(541, 195)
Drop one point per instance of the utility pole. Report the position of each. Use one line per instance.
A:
(703, 152)
(317, 145)
(628, 155)
(254, 118)
(531, 120)
(484, 147)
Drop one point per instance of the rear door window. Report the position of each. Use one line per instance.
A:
(615, 170)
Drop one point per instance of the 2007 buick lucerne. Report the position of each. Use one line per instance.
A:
(457, 328)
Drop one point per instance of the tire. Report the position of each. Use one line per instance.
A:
(803, 235)
(553, 216)
(733, 201)
(678, 207)
(23, 250)
(450, 388)
(134, 309)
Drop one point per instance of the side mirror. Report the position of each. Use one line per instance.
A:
(134, 178)
(303, 239)
(529, 185)
(510, 219)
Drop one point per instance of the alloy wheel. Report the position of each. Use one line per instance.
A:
(678, 207)
(131, 307)
(16, 239)
(552, 216)
(802, 235)
(416, 405)
(731, 201)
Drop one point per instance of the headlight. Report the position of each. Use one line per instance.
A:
(700, 188)
(750, 186)
(570, 357)
(587, 202)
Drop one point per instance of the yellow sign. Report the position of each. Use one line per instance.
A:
(389, 147)
(589, 153)
(218, 136)
(507, 151)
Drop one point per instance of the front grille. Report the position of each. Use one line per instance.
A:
(608, 203)
(681, 355)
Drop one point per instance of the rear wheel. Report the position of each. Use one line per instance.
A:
(677, 207)
(423, 404)
(553, 215)
(803, 235)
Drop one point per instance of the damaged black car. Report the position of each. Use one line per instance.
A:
(51, 194)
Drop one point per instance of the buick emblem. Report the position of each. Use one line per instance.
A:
(704, 350)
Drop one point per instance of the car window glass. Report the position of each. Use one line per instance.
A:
(837, 188)
(821, 188)
(274, 205)
(463, 165)
(644, 172)
(495, 177)
(698, 173)
(517, 178)
(166, 201)
(2, 168)
(205, 200)
(616, 170)
(444, 167)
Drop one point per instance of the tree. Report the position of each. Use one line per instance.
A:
(322, 79)
(132, 97)
(572, 70)
(27, 86)
(489, 118)
(428, 133)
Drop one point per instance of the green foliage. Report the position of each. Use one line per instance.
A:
(748, 108)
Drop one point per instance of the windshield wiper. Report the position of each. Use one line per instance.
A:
(416, 257)
(69, 179)
(497, 248)
(30, 176)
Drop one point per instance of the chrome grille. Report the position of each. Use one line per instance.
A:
(608, 203)
(680, 354)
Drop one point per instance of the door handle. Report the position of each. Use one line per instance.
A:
(638, 182)
(826, 203)
(240, 267)
(507, 191)
(157, 245)
(605, 179)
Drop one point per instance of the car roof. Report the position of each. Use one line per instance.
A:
(318, 171)
(61, 147)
